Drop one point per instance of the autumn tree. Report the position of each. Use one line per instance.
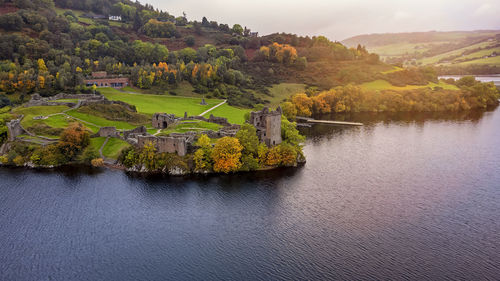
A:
(303, 104)
(203, 156)
(226, 155)
(73, 140)
(247, 136)
(289, 110)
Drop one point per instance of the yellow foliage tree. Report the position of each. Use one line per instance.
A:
(303, 104)
(227, 154)
(42, 68)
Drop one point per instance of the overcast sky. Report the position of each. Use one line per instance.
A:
(340, 19)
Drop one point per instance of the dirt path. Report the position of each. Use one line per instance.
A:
(213, 108)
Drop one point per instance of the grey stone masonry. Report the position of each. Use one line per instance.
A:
(268, 125)
(163, 120)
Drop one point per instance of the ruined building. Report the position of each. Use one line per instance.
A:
(178, 144)
(268, 125)
(163, 120)
(102, 79)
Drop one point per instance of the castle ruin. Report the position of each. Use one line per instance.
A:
(163, 120)
(268, 125)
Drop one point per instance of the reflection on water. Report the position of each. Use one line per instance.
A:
(407, 196)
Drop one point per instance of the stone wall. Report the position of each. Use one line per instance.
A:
(170, 144)
(15, 129)
(134, 133)
(163, 120)
(107, 132)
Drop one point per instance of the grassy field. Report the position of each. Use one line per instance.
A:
(161, 103)
(398, 49)
(435, 59)
(184, 89)
(195, 125)
(283, 91)
(489, 61)
(96, 143)
(30, 112)
(113, 148)
(233, 114)
(482, 53)
(379, 85)
(101, 122)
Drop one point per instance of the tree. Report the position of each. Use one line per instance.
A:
(11, 21)
(203, 156)
(247, 136)
(227, 154)
(190, 41)
(290, 134)
(205, 22)
(237, 29)
(303, 104)
(147, 156)
(289, 110)
(73, 140)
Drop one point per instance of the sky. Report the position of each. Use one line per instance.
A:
(341, 19)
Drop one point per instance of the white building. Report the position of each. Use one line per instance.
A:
(115, 18)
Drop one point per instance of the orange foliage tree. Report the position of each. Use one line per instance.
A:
(73, 140)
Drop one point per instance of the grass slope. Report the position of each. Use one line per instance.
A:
(195, 125)
(233, 114)
(379, 85)
(30, 112)
(282, 91)
(161, 103)
(113, 148)
(101, 122)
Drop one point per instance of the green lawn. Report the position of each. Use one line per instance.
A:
(57, 121)
(30, 112)
(113, 148)
(96, 143)
(194, 125)
(161, 103)
(379, 85)
(233, 114)
(101, 122)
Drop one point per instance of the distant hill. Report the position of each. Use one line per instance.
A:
(475, 51)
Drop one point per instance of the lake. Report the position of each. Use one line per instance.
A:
(405, 197)
(495, 78)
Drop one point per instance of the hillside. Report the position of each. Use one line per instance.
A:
(474, 52)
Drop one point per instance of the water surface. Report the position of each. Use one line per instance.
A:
(407, 196)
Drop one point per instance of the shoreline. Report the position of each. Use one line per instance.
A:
(119, 167)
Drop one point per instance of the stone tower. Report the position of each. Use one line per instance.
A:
(268, 125)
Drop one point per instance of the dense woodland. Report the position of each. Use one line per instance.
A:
(46, 51)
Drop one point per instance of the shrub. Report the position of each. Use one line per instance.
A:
(97, 162)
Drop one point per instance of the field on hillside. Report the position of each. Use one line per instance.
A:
(281, 92)
(430, 48)
(151, 104)
(379, 85)
(90, 119)
(233, 114)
